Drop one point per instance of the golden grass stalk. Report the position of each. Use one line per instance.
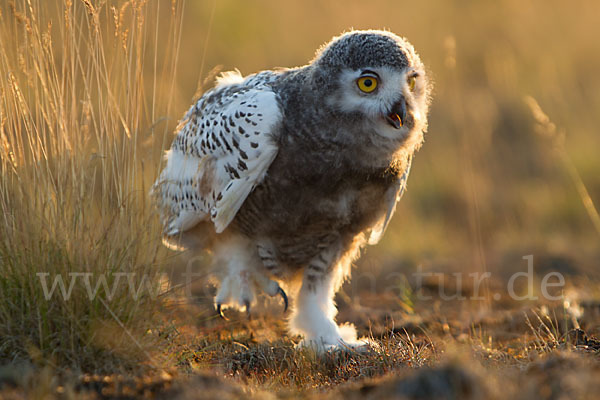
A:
(78, 125)
(547, 129)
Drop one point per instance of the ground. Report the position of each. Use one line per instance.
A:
(423, 345)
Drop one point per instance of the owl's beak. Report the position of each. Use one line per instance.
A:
(397, 116)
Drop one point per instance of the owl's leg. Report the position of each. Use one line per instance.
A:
(240, 274)
(234, 267)
(314, 308)
(267, 255)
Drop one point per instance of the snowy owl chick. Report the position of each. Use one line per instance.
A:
(284, 175)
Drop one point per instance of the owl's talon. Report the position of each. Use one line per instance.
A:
(220, 312)
(281, 292)
(247, 304)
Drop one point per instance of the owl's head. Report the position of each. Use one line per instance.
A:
(377, 77)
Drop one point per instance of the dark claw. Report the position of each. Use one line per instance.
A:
(220, 312)
(285, 299)
(247, 304)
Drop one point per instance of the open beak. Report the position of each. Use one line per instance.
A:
(397, 115)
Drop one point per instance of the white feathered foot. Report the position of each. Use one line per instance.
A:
(240, 279)
(314, 309)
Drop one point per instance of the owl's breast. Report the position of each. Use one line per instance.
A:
(299, 211)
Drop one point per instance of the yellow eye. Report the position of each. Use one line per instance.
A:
(367, 83)
(412, 81)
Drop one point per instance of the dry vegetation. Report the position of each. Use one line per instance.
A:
(79, 117)
(90, 94)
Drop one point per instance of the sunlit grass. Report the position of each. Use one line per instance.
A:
(81, 128)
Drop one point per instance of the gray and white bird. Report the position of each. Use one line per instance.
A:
(285, 175)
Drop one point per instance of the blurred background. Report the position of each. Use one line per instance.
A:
(486, 189)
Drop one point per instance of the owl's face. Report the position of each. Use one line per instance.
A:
(377, 76)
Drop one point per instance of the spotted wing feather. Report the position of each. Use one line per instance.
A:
(223, 149)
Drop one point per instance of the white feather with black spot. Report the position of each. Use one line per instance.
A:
(223, 149)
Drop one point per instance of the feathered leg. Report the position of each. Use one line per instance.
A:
(241, 276)
(314, 308)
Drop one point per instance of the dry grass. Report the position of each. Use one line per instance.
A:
(81, 129)
(90, 93)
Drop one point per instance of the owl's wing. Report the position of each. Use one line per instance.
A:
(223, 149)
(392, 196)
